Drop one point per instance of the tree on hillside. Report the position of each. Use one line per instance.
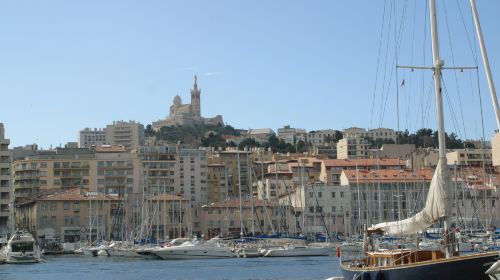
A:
(249, 143)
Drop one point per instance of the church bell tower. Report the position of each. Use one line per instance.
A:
(195, 99)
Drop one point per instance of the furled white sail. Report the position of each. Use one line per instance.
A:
(435, 208)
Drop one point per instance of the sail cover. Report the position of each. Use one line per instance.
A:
(435, 208)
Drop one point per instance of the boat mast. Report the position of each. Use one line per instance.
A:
(239, 189)
(438, 64)
(486, 63)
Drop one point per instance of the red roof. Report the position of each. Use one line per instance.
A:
(388, 175)
(363, 162)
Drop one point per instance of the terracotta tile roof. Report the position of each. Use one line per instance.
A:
(167, 197)
(246, 203)
(75, 194)
(109, 149)
(363, 162)
(388, 175)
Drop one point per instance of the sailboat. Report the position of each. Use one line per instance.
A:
(407, 264)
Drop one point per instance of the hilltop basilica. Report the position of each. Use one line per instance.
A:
(187, 114)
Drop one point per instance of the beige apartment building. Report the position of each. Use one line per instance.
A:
(224, 219)
(118, 170)
(353, 148)
(71, 215)
(217, 182)
(5, 190)
(233, 159)
(170, 216)
(59, 168)
(127, 134)
(469, 157)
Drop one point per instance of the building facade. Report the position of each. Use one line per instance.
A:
(71, 215)
(127, 134)
(5, 189)
(91, 137)
(469, 157)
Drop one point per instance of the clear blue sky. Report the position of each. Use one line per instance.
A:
(67, 65)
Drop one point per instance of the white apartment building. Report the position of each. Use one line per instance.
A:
(91, 137)
(375, 134)
(320, 208)
(292, 135)
(322, 138)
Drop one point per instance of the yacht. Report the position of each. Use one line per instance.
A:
(22, 248)
(193, 250)
(290, 250)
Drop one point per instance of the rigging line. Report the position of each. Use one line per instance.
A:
(455, 72)
(385, 60)
(473, 51)
(378, 63)
(397, 42)
(408, 110)
(452, 111)
(473, 102)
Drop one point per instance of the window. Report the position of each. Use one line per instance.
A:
(341, 194)
(320, 194)
(311, 209)
(333, 194)
(66, 220)
(66, 205)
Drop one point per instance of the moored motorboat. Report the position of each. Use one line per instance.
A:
(193, 250)
(297, 251)
(22, 248)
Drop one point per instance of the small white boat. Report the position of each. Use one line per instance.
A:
(297, 251)
(193, 250)
(22, 248)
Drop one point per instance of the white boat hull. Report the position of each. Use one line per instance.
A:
(193, 252)
(298, 252)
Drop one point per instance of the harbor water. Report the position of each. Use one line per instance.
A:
(77, 267)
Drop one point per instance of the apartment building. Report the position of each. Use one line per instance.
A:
(225, 218)
(5, 190)
(383, 195)
(239, 167)
(323, 138)
(353, 148)
(319, 208)
(118, 171)
(127, 134)
(217, 182)
(292, 135)
(71, 215)
(171, 217)
(469, 157)
(49, 169)
(91, 137)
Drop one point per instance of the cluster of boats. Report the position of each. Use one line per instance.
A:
(182, 248)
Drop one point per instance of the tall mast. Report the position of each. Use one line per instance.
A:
(239, 189)
(486, 63)
(438, 64)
